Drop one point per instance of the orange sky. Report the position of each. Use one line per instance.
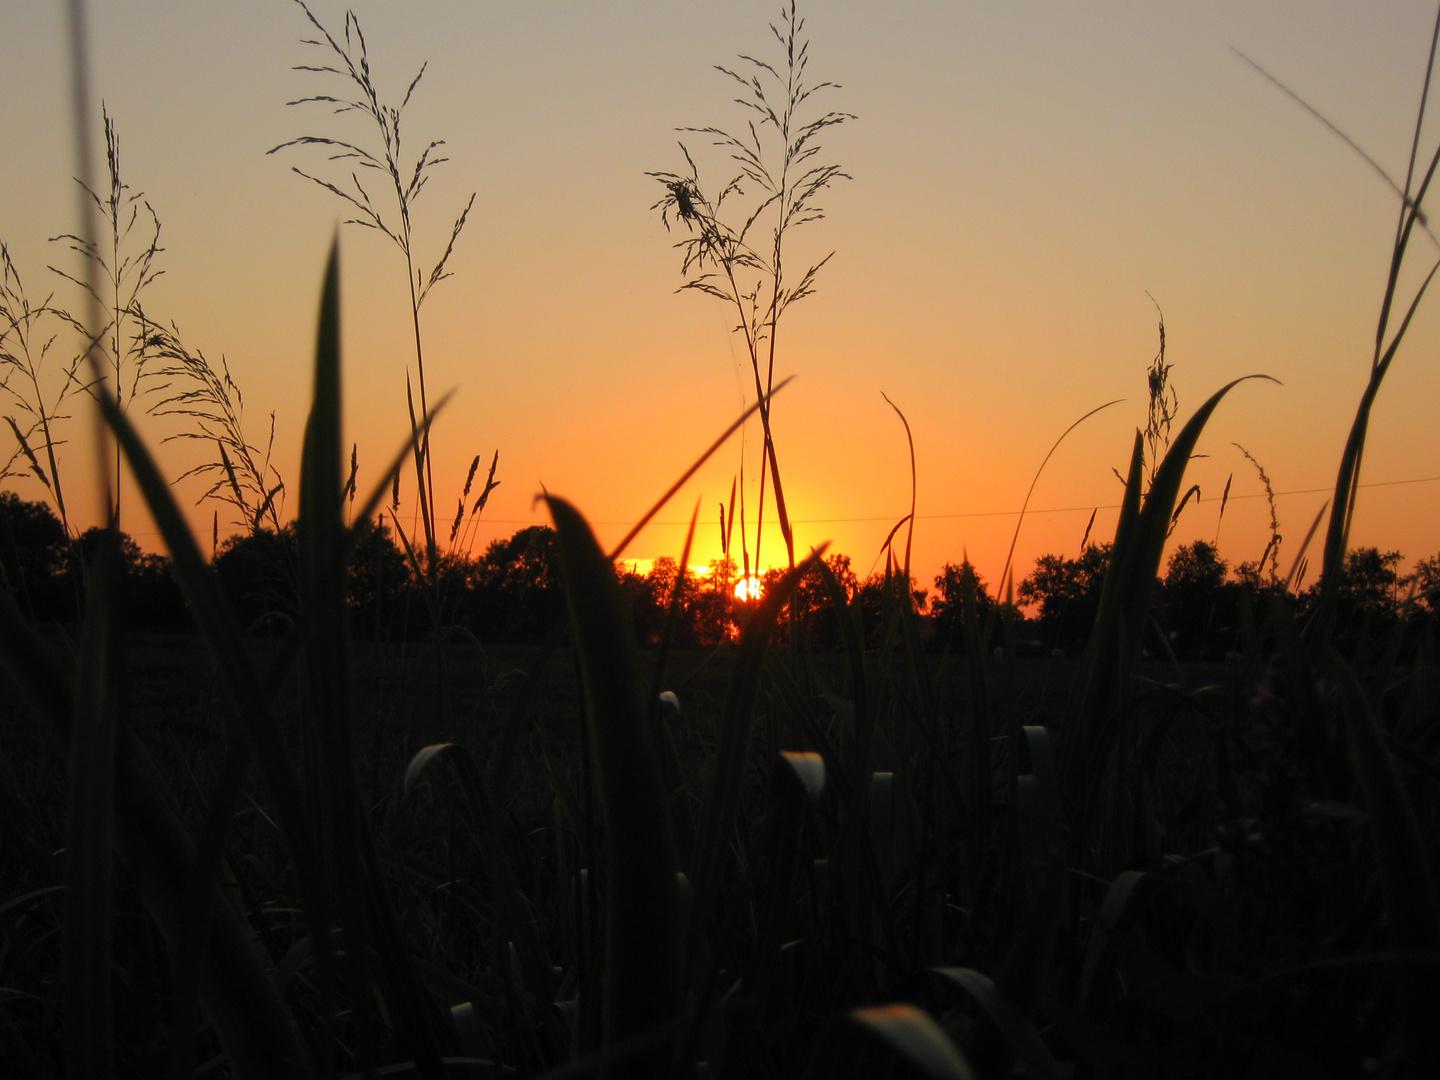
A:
(1023, 174)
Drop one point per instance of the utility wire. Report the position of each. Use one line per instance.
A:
(971, 514)
(1002, 513)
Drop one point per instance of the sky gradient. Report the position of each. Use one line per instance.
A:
(1023, 175)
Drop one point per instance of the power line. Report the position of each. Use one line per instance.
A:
(999, 513)
(971, 514)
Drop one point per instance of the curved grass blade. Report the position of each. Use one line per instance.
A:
(1025, 1043)
(619, 548)
(1125, 894)
(327, 762)
(214, 619)
(515, 920)
(642, 947)
(350, 868)
(1093, 726)
(1010, 555)
(915, 1036)
(910, 439)
(1347, 480)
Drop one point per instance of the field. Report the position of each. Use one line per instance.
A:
(599, 853)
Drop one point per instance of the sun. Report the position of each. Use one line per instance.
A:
(748, 588)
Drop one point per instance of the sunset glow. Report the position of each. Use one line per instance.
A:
(749, 588)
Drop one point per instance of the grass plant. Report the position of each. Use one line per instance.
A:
(873, 863)
(117, 267)
(738, 255)
(37, 384)
(213, 409)
(403, 180)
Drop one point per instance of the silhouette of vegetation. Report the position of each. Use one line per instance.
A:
(1195, 606)
(1201, 842)
(1067, 593)
(390, 212)
(737, 255)
(958, 587)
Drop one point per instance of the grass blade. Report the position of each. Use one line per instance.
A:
(1407, 882)
(1094, 723)
(89, 815)
(351, 878)
(916, 1037)
(722, 799)
(1029, 1049)
(642, 917)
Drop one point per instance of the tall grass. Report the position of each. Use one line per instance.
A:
(738, 255)
(29, 331)
(389, 210)
(863, 865)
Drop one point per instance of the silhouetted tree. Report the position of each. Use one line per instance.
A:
(1371, 588)
(873, 595)
(517, 586)
(648, 599)
(258, 572)
(33, 554)
(955, 587)
(818, 613)
(1372, 579)
(1195, 606)
(147, 597)
(1427, 584)
(810, 602)
(1068, 594)
(379, 579)
(155, 601)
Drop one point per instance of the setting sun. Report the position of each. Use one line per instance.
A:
(749, 588)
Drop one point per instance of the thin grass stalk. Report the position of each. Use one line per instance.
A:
(788, 194)
(619, 549)
(1024, 506)
(910, 526)
(351, 63)
(1348, 477)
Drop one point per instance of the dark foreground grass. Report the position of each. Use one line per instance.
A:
(282, 860)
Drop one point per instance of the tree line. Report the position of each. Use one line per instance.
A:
(512, 591)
